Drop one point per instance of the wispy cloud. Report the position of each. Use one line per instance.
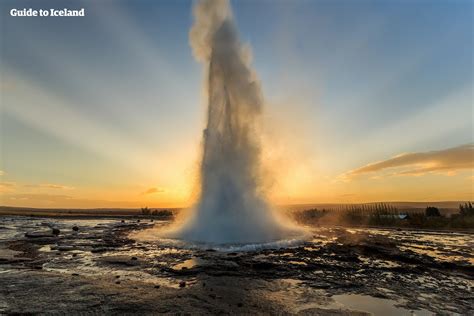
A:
(49, 186)
(2, 172)
(42, 197)
(154, 190)
(59, 201)
(447, 161)
(7, 186)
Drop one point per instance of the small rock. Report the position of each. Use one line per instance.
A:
(117, 276)
(118, 260)
(182, 284)
(122, 221)
(157, 286)
(134, 258)
(99, 249)
(263, 265)
(75, 274)
(212, 296)
(75, 228)
(117, 282)
(39, 234)
(56, 231)
(138, 221)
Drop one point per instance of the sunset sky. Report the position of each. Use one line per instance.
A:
(365, 101)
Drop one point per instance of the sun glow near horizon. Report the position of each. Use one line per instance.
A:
(120, 124)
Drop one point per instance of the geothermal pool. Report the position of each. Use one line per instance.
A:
(99, 265)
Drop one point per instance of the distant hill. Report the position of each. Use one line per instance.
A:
(10, 210)
(446, 206)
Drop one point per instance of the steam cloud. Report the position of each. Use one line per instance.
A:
(231, 207)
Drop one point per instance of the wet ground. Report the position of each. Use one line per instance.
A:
(74, 266)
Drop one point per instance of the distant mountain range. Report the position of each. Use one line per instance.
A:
(4, 210)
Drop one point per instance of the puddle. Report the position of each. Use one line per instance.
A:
(440, 255)
(46, 248)
(372, 305)
(298, 263)
(190, 263)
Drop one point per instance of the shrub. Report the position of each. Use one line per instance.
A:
(432, 211)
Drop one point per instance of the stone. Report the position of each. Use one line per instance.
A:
(118, 260)
(63, 248)
(99, 249)
(39, 234)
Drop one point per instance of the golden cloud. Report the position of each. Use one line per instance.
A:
(49, 186)
(42, 197)
(7, 186)
(60, 201)
(447, 161)
(153, 190)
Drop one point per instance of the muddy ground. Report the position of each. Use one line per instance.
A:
(72, 266)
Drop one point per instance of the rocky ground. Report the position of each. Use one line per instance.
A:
(95, 266)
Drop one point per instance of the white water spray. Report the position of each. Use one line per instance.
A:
(231, 207)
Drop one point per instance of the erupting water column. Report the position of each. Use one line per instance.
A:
(231, 207)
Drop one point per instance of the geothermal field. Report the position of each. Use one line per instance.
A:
(106, 266)
(233, 251)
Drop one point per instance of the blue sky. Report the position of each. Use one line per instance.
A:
(112, 102)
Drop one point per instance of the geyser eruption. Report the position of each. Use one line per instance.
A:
(231, 207)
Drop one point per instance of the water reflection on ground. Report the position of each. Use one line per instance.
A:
(373, 305)
(337, 270)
